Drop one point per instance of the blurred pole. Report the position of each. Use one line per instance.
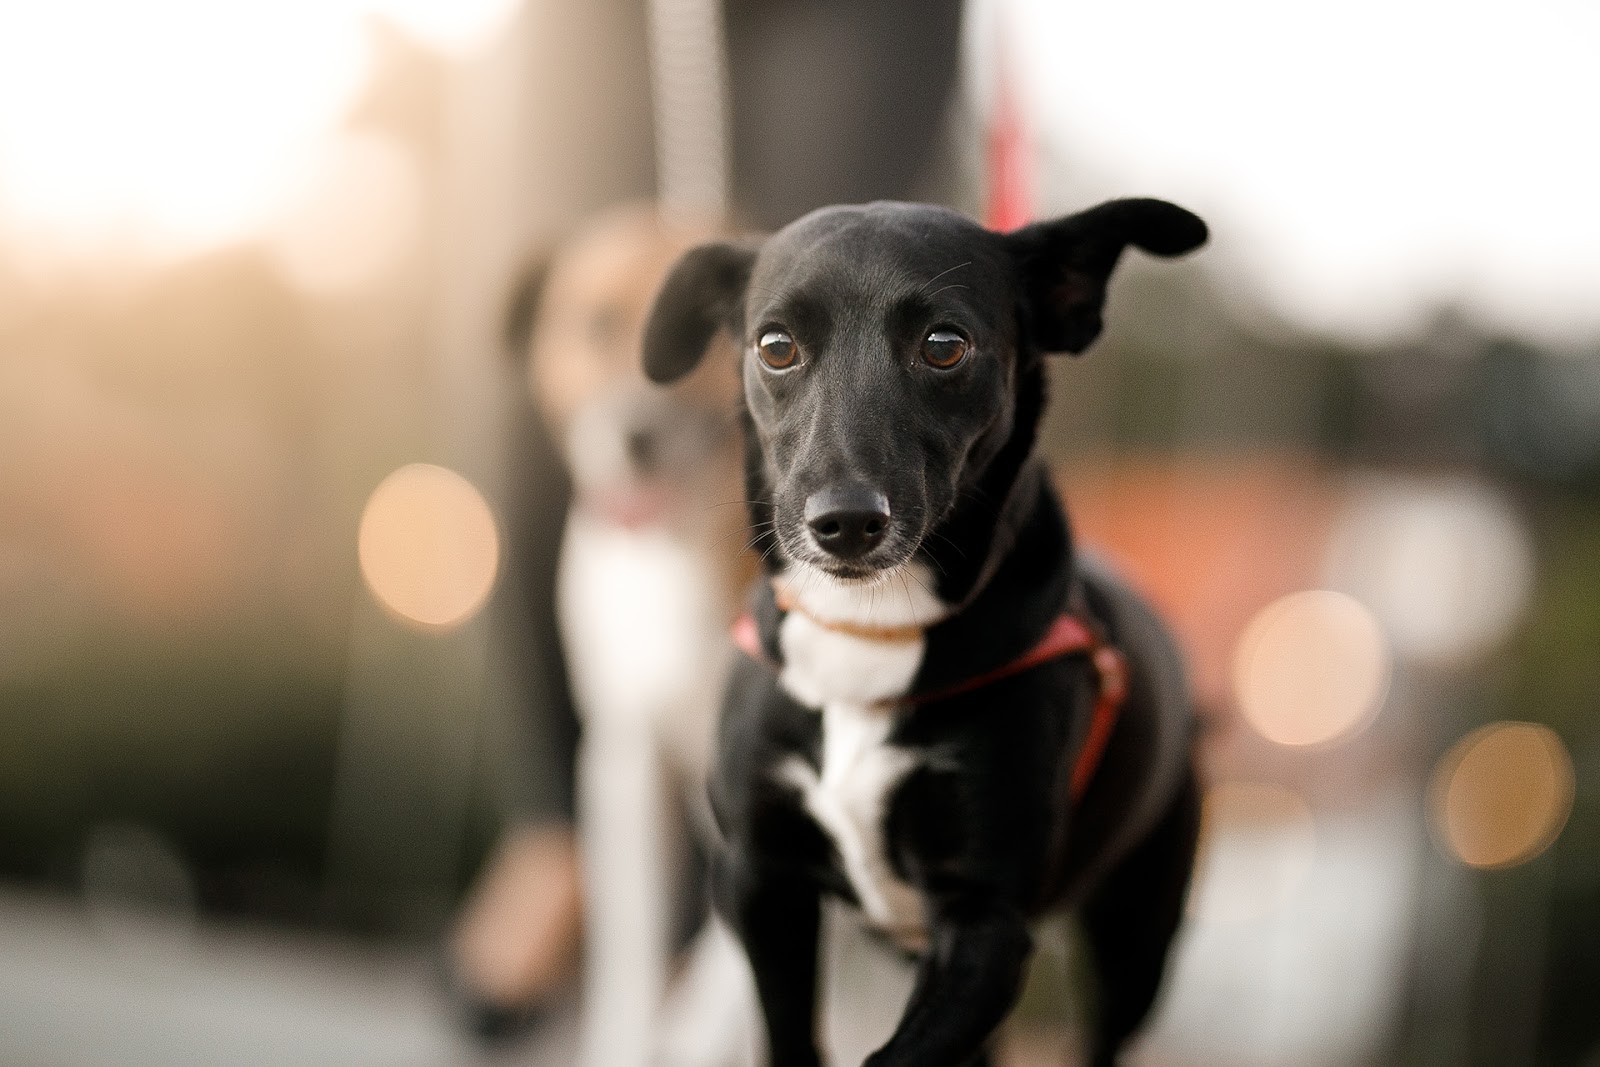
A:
(485, 224)
(837, 103)
(1008, 147)
(689, 79)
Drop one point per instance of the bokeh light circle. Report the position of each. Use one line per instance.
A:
(1502, 794)
(428, 546)
(1311, 667)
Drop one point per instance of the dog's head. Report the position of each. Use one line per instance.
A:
(636, 453)
(891, 359)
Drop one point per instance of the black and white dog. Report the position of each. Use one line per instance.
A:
(948, 719)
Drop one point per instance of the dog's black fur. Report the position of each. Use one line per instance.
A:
(982, 831)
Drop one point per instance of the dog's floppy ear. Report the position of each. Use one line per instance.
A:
(702, 294)
(1066, 262)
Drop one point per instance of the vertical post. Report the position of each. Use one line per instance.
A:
(689, 79)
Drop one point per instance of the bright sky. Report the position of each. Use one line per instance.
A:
(159, 127)
(1361, 162)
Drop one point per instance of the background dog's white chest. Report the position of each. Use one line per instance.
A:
(645, 637)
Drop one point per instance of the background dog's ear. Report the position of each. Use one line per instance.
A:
(1066, 262)
(702, 294)
(522, 307)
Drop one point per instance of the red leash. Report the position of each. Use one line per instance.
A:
(1068, 635)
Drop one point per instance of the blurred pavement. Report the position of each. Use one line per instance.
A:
(82, 989)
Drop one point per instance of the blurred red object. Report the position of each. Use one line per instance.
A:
(1210, 540)
(1008, 155)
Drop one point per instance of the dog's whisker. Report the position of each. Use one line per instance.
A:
(941, 274)
(722, 540)
(918, 579)
(770, 550)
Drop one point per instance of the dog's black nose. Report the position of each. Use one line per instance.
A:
(848, 520)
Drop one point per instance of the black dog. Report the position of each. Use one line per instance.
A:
(948, 719)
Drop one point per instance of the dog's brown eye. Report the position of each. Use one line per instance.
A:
(943, 348)
(777, 349)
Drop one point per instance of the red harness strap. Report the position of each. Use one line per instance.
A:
(1068, 635)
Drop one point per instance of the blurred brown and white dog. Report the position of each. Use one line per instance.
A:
(651, 572)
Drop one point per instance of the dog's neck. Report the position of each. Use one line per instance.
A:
(1024, 583)
(896, 638)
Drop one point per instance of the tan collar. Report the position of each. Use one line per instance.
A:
(888, 634)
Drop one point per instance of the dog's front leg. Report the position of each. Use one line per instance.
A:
(776, 913)
(971, 977)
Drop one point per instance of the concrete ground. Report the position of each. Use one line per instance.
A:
(81, 989)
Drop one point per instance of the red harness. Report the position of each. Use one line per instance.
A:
(1068, 635)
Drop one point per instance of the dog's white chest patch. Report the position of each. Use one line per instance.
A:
(849, 800)
(823, 663)
(851, 679)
